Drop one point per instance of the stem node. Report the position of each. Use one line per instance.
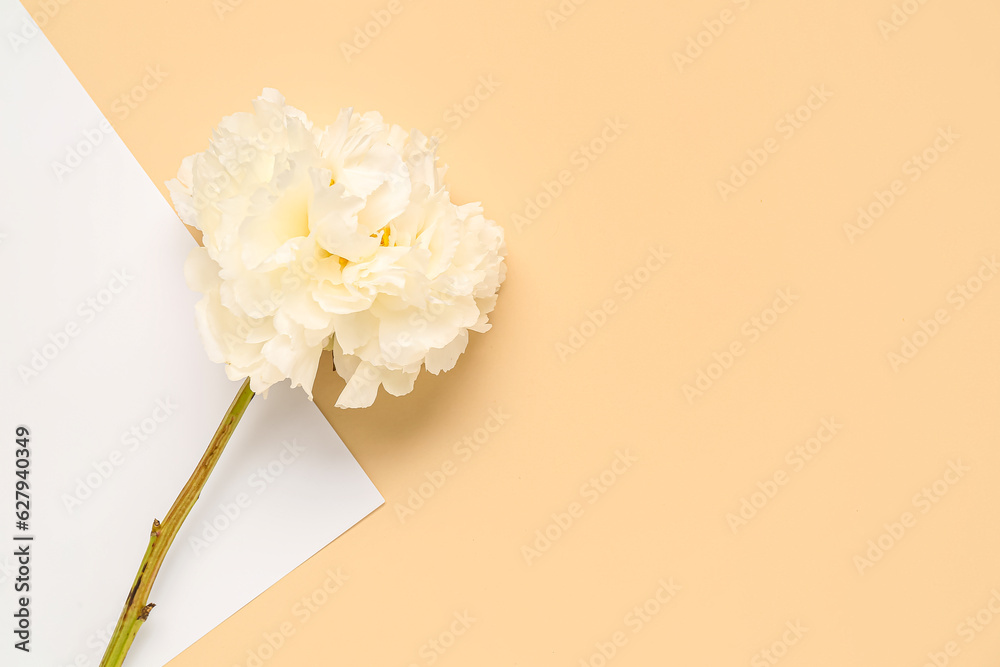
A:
(144, 614)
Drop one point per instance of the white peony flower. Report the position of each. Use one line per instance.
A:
(344, 239)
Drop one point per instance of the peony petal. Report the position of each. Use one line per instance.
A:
(333, 220)
(201, 272)
(398, 383)
(355, 330)
(444, 358)
(386, 203)
(362, 387)
(378, 165)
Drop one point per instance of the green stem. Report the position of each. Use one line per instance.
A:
(162, 535)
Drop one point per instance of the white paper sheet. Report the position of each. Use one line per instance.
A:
(102, 362)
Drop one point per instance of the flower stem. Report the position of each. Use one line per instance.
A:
(162, 535)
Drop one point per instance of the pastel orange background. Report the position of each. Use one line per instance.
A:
(588, 369)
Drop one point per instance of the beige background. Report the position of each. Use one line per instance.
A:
(681, 130)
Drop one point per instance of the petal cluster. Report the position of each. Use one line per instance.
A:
(342, 238)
